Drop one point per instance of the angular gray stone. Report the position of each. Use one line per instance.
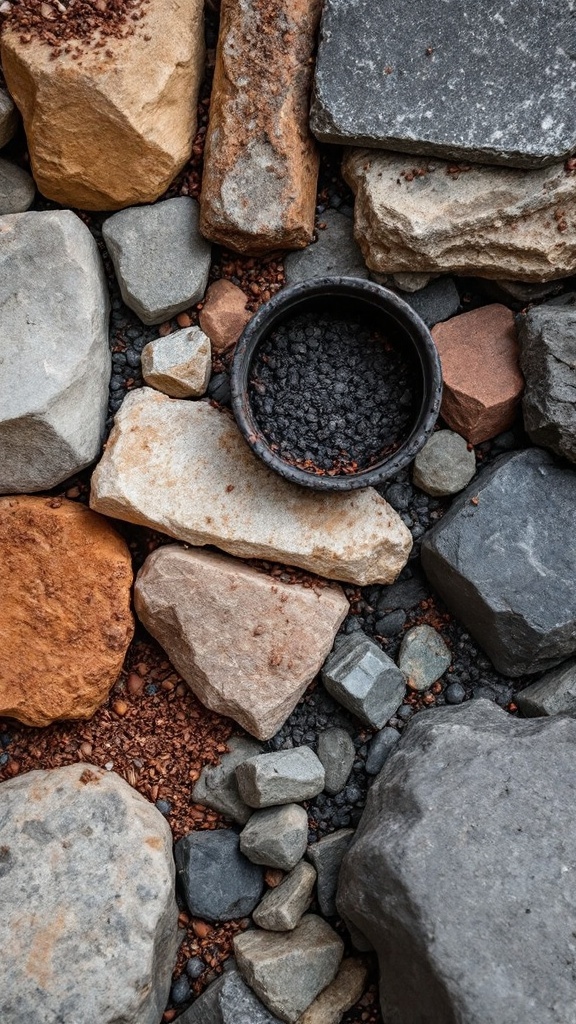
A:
(287, 970)
(334, 254)
(361, 677)
(218, 882)
(17, 190)
(160, 258)
(381, 745)
(282, 907)
(8, 118)
(282, 777)
(472, 820)
(336, 751)
(217, 786)
(547, 336)
(89, 923)
(327, 855)
(503, 563)
(444, 465)
(553, 694)
(276, 836)
(402, 78)
(178, 364)
(438, 301)
(228, 1000)
(424, 657)
(55, 366)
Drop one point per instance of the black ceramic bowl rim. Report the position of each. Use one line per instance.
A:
(293, 301)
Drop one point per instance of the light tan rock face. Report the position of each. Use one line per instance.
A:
(65, 618)
(247, 645)
(185, 469)
(487, 221)
(105, 131)
(261, 162)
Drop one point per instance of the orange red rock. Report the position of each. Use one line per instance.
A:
(224, 315)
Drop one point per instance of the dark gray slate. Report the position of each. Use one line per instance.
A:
(228, 1001)
(381, 745)
(505, 563)
(554, 693)
(334, 254)
(437, 302)
(449, 79)
(218, 881)
(461, 872)
(547, 336)
(326, 856)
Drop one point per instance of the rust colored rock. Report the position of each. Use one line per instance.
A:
(482, 379)
(113, 127)
(224, 315)
(65, 618)
(261, 162)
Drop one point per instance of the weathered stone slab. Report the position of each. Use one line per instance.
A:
(17, 190)
(327, 855)
(185, 469)
(553, 694)
(8, 118)
(179, 364)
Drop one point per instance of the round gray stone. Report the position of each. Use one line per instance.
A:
(17, 189)
(424, 657)
(444, 465)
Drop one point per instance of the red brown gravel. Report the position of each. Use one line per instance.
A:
(56, 22)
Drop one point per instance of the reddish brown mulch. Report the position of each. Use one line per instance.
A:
(57, 22)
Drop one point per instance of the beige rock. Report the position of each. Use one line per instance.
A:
(104, 131)
(340, 996)
(224, 316)
(185, 469)
(8, 118)
(65, 617)
(261, 162)
(178, 364)
(491, 222)
(247, 644)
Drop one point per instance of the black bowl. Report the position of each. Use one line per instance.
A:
(355, 298)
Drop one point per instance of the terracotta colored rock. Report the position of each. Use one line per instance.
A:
(482, 379)
(247, 644)
(260, 161)
(110, 131)
(65, 617)
(224, 316)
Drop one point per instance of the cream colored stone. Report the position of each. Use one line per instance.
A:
(178, 364)
(185, 469)
(105, 131)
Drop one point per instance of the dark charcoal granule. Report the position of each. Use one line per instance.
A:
(331, 395)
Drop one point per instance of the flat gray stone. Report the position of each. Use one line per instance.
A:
(217, 786)
(553, 694)
(228, 1000)
(503, 563)
(327, 856)
(334, 254)
(55, 366)
(160, 258)
(178, 364)
(8, 118)
(282, 777)
(361, 677)
(472, 820)
(423, 657)
(336, 751)
(89, 922)
(437, 302)
(403, 78)
(17, 189)
(444, 465)
(276, 836)
(282, 907)
(218, 881)
(380, 747)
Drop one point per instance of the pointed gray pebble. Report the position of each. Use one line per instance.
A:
(381, 745)
(336, 751)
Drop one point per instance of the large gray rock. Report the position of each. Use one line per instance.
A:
(471, 821)
(281, 777)
(547, 336)
(553, 694)
(8, 118)
(282, 907)
(335, 253)
(218, 882)
(55, 365)
(365, 680)
(228, 1000)
(17, 190)
(502, 561)
(217, 786)
(276, 836)
(403, 78)
(89, 920)
(160, 258)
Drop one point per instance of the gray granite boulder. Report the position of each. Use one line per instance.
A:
(8, 118)
(461, 870)
(56, 363)
(553, 694)
(502, 560)
(219, 883)
(228, 1000)
(335, 253)
(17, 189)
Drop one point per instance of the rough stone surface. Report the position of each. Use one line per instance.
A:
(179, 364)
(280, 777)
(486, 221)
(228, 1000)
(553, 694)
(89, 920)
(547, 337)
(327, 855)
(260, 161)
(282, 907)
(217, 786)
(444, 465)
(55, 366)
(424, 657)
(185, 469)
(287, 970)
(160, 258)
(452, 822)
(381, 746)
(482, 379)
(218, 882)
(278, 634)
(128, 123)
(224, 316)
(359, 675)
(334, 254)
(17, 190)
(438, 301)
(337, 752)
(340, 995)
(500, 560)
(65, 616)
(276, 836)
(8, 118)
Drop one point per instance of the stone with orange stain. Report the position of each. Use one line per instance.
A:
(224, 316)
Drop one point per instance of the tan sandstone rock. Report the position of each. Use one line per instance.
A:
(261, 162)
(247, 644)
(65, 617)
(185, 469)
(224, 316)
(114, 127)
(493, 222)
(340, 995)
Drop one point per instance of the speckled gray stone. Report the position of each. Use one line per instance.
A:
(217, 786)
(424, 657)
(553, 694)
(365, 680)
(334, 254)
(17, 189)
(228, 1000)
(282, 907)
(276, 836)
(178, 364)
(449, 79)
(444, 465)
(282, 777)
(336, 751)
